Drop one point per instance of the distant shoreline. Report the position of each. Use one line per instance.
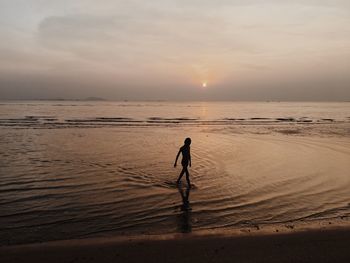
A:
(177, 101)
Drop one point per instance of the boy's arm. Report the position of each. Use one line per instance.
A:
(177, 156)
(190, 159)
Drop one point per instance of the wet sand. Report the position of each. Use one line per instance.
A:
(313, 245)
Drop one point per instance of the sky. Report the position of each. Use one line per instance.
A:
(166, 50)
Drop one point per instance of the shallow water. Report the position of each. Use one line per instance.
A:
(62, 180)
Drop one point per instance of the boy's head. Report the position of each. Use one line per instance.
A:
(187, 141)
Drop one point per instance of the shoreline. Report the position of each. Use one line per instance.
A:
(340, 222)
(298, 244)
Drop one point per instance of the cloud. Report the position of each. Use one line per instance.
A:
(153, 42)
(189, 34)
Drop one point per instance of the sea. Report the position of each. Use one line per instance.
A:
(81, 169)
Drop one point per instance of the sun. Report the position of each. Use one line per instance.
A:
(204, 85)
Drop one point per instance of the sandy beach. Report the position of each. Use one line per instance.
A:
(329, 244)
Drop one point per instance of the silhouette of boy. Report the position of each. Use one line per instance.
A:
(186, 160)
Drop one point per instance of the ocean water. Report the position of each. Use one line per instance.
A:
(71, 169)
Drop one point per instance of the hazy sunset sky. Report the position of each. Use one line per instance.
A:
(162, 49)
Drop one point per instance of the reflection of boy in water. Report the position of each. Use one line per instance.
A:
(185, 222)
(186, 160)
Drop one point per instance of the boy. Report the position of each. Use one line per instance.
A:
(186, 160)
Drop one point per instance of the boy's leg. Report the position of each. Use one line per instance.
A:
(180, 176)
(188, 178)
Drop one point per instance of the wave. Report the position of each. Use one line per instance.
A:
(54, 122)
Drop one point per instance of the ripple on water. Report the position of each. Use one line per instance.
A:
(111, 182)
